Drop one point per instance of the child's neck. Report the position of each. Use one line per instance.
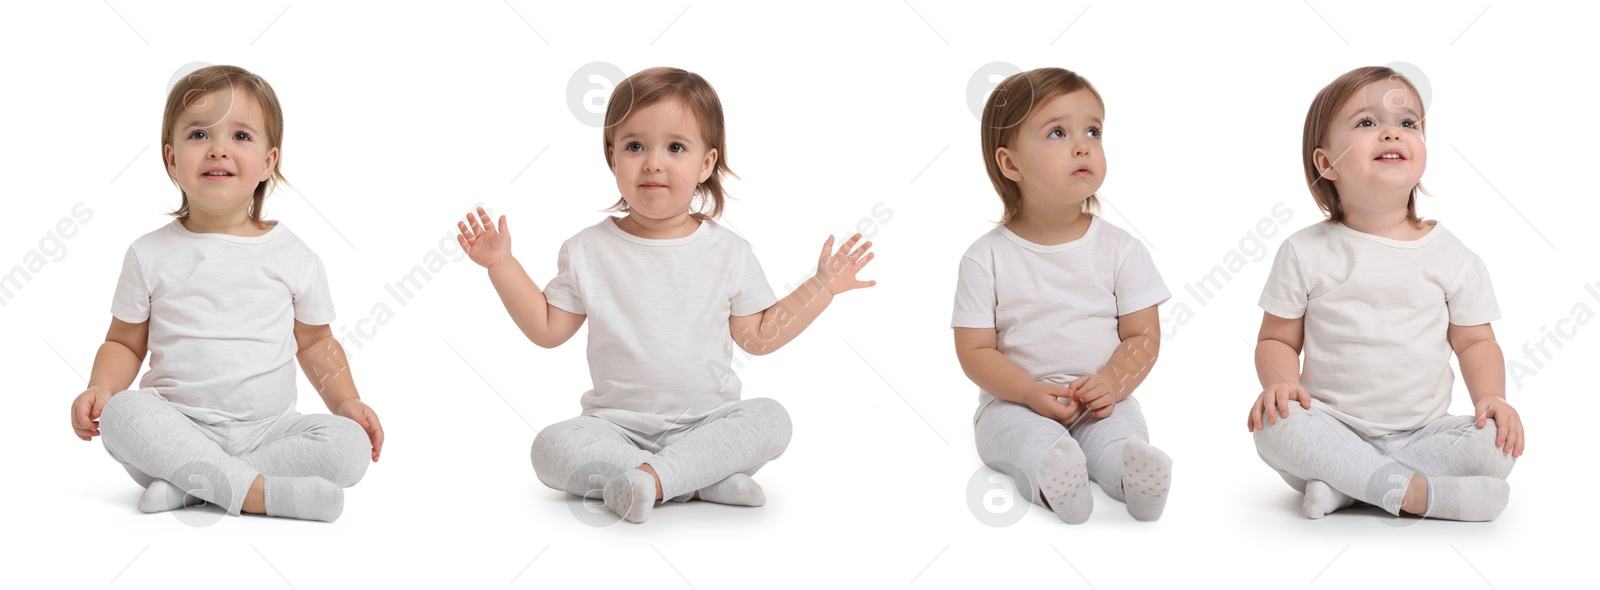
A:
(237, 223)
(1050, 228)
(1394, 224)
(677, 226)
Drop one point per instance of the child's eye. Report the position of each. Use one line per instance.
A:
(1366, 122)
(1409, 124)
(241, 136)
(634, 146)
(197, 134)
(1057, 133)
(1094, 133)
(677, 148)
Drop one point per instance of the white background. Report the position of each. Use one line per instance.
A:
(400, 117)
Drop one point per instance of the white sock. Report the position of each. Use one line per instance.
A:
(161, 496)
(306, 498)
(1321, 499)
(737, 490)
(1475, 498)
(1063, 480)
(1146, 479)
(630, 495)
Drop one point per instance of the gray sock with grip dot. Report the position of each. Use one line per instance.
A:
(1146, 479)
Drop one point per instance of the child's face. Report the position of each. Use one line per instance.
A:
(659, 156)
(1374, 152)
(219, 152)
(1056, 154)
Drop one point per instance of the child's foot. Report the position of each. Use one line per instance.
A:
(1476, 498)
(1146, 478)
(306, 498)
(162, 496)
(737, 490)
(1321, 499)
(630, 495)
(1064, 482)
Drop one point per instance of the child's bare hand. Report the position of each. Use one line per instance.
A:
(483, 242)
(86, 412)
(1507, 423)
(1045, 399)
(837, 270)
(1094, 392)
(1274, 402)
(359, 411)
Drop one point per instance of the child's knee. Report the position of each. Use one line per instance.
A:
(1486, 457)
(1272, 436)
(557, 463)
(122, 412)
(778, 428)
(353, 450)
(547, 454)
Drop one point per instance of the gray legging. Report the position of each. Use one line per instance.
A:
(1014, 439)
(577, 456)
(1311, 445)
(218, 462)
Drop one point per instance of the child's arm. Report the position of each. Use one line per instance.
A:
(1278, 368)
(1140, 332)
(986, 366)
(1483, 367)
(322, 358)
(546, 325)
(115, 365)
(762, 333)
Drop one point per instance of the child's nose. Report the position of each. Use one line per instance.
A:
(215, 150)
(652, 162)
(1080, 147)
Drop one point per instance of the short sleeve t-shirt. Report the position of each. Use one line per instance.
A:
(222, 310)
(660, 352)
(1054, 309)
(1377, 312)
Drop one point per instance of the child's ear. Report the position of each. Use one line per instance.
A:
(272, 165)
(1319, 158)
(170, 158)
(709, 165)
(1008, 167)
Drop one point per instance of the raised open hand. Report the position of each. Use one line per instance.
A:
(483, 242)
(837, 270)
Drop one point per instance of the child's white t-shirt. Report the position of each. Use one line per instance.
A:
(660, 352)
(1377, 311)
(1054, 309)
(222, 310)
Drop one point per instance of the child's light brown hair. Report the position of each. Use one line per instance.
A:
(655, 85)
(191, 88)
(1320, 117)
(1007, 106)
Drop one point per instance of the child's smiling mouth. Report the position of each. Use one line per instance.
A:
(217, 174)
(1391, 156)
